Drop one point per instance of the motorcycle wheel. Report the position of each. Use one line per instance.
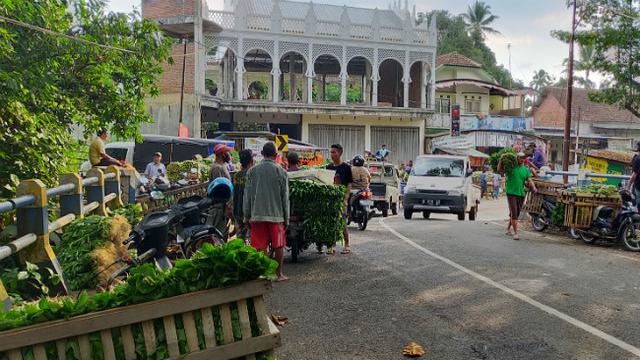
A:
(537, 223)
(587, 238)
(362, 225)
(630, 236)
(295, 250)
(574, 234)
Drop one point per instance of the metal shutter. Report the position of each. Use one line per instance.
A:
(404, 142)
(350, 137)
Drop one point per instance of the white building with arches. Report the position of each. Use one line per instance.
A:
(321, 73)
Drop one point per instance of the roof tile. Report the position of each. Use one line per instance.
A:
(587, 110)
(456, 59)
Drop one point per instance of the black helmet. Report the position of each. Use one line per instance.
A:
(358, 160)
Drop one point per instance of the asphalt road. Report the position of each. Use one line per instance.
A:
(462, 290)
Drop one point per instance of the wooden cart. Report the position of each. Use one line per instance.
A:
(579, 207)
(533, 201)
(207, 319)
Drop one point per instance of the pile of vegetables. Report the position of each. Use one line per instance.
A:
(131, 212)
(176, 168)
(557, 215)
(90, 248)
(322, 207)
(596, 189)
(509, 162)
(211, 267)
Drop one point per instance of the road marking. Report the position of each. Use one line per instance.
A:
(548, 309)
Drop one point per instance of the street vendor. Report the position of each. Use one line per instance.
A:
(97, 151)
(517, 177)
(221, 213)
(155, 168)
(293, 161)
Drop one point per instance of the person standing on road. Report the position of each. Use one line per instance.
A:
(634, 183)
(155, 168)
(497, 179)
(515, 189)
(97, 151)
(221, 213)
(483, 183)
(293, 161)
(266, 205)
(344, 177)
(239, 181)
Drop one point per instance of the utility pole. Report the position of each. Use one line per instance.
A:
(567, 122)
(511, 76)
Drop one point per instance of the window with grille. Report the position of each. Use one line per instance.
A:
(443, 106)
(472, 106)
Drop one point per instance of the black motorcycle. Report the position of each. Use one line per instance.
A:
(624, 227)
(360, 205)
(543, 220)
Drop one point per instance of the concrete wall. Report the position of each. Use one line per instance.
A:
(165, 111)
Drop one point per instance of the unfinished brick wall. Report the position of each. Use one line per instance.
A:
(550, 113)
(170, 80)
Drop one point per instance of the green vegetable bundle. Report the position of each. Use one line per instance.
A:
(322, 207)
(212, 267)
(89, 249)
(495, 158)
(131, 212)
(557, 215)
(596, 189)
(176, 168)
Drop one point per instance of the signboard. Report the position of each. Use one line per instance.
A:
(455, 120)
(282, 143)
(255, 145)
(604, 167)
(463, 142)
(489, 122)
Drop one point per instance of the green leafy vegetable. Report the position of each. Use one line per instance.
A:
(322, 207)
(495, 158)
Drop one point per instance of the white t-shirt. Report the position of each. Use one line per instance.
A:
(152, 170)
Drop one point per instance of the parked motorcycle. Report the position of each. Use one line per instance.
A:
(360, 206)
(540, 222)
(624, 227)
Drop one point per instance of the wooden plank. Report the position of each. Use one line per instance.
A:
(227, 326)
(172, 337)
(208, 328)
(261, 313)
(263, 343)
(245, 323)
(15, 354)
(85, 347)
(149, 337)
(39, 352)
(102, 320)
(250, 357)
(127, 343)
(61, 346)
(107, 345)
(190, 331)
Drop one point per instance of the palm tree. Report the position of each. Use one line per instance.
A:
(586, 64)
(541, 79)
(478, 18)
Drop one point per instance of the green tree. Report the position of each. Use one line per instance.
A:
(541, 79)
(611, 28)
(50, 84)
(478, 19)
(585, 63)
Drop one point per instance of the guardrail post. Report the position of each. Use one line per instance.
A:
(113, 186)
(5, 301)
(95, 191)
(34, 219)
(71, 202)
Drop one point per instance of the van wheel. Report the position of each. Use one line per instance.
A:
(426, 214)
(408, 214)
(461, 216)
(394, 208)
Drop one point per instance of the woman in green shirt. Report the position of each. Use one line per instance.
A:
(515, 189)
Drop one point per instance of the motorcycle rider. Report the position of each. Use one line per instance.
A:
(361, 177)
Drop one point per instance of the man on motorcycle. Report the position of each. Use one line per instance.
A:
(360, 174)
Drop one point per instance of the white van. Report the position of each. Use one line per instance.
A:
(441, 184)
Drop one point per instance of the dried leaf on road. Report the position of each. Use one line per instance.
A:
(279, 319)
(413, 350)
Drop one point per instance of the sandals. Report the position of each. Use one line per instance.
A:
(516, 237)
(331, 251)
(345, 251)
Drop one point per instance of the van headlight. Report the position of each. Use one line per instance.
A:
(411, 189)
(454, 193)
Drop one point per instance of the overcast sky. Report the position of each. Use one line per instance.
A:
(526, 24)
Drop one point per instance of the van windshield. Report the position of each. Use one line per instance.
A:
(117, 153)
(438, 167)
(377, 170)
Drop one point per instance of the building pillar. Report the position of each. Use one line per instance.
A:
(375, 77)
(292, 77)
(421, 133)
(305, 129)
(432, 86)
(406, 81)
(343, 88)
(367, 137)
(239, 73)
(423, 86)
(309, 89)
(275, 73)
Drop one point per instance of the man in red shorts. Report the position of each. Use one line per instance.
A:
(266, 205)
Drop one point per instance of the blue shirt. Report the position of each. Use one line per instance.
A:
(483, 179)
(538, 158)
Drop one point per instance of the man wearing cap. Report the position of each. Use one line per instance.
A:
(155, 168)
(266, 205)
(537, 157)
(516, 180)
(219, 166)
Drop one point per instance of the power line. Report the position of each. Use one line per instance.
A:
(55, 33)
